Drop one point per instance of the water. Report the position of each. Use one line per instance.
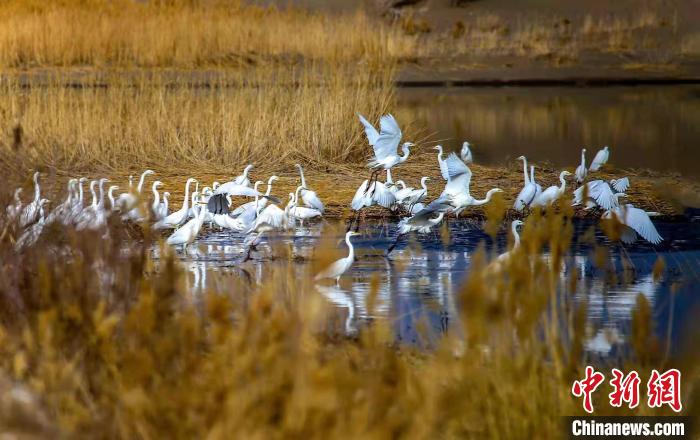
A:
(655, 127)
(419, 285)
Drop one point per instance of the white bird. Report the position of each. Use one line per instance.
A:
(466, 153)
(243, 178)
(249, 208)
(156, 205)
(441, 162)
(634, 221)
(310, 198)
(457, 187)
(551, 194)
(127, 202)
(516, 242)
(375, 194)
(164, 210)
(600, 159)
(63, 212)
(339, 267)
(30, 213)
(581, 170)
(110, 197)
(14, 210)
(422, 221)
(31, 234)
(529, 191)
(601, 193)
(301, 213)
(272, 218)
(180, 216)
(219, 202)
(95, 216)
(409, 196)
(385, 143)
(187, 233)
(78, 202)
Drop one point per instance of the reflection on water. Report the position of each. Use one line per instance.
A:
(654, 127)
(420, 297)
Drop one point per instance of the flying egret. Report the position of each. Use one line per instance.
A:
(529, 191)
(310, 198)
(339, 267)
(180, 216)
(466, 153)
(634, 221)
(385, 144)
(422, 221)
(457, 186)
(368, 195)
(581, 170)
(601, 193)
(551, 194)
(600, 159)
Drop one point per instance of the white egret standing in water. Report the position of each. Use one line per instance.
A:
(551, 194)
(339, 267)
(310, 198)
(529, 191)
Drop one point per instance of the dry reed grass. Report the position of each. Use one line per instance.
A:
(97, 341)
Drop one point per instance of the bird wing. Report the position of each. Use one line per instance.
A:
(598, 160)
(620, 185)
(370, 131)
(441, 204)
(455, 166)
(458, 185)
(273, 216)
(443, 169)
(639, 220)
(358, 201)
(383, 196)
(600, 191)
(388, 141)
(311, 200)
(233, 189)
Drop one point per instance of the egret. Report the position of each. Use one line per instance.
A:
(600, 159)
(368, 195)
(249, 208)
(272, 218)
(516, 242)
(310, 198)
(156, 205)
(457, 186)
(422, 221)
(180, 216)
(385, 144)
(634, 221)
(466, 153)
(31, 234)
(551, 194)
(529, 191)
(301, 213)
(601, 193)
(339, 267)
(127, 201)
(187, 233)
(243, 178)
(441, 162)
(14, 210)
(581, 170)
(30, 213)
(63, 211)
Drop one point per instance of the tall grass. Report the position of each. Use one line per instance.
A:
(265, 116)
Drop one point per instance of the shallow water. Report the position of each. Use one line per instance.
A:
(420, 285)
(656, 127)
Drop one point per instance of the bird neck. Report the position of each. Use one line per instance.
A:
(301, 174)
(424, 185)
(110, 196)
(156, 196)
(563, 183)
(141, 181)
(527, 178)
(101, 202)
(583, 159)
(351, 248)
(406, 153)
(516, 237)
(486, 200)
(81, 193)
(186, 202)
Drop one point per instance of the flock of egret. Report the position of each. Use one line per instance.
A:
(265, 213)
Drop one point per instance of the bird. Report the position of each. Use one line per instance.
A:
(187, 233)
(242, 179)
(409, 196)
(31, 234)
(250, 207)
(376, 193)
(127, 202)
(111, 198)
(310, 198)
(271, 218)
(180, 216)
(538, 187)
(634, 221)
(219, 201)
(466, 153)
(581, 170)
(385, 144)
(600, 159)
(156, 205)
(501, 259)
(423, 220)
(529, 191)
(441, 162)
(301, 213)
(457, 186)
(339, 267)
(601, 193)
(30, 213)
(551, 194)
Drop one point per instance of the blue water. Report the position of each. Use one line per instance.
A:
(417, 287)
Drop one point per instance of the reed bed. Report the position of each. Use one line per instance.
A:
(101, 339)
